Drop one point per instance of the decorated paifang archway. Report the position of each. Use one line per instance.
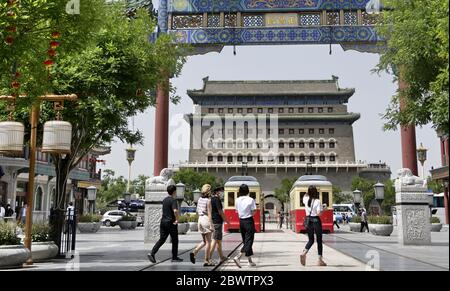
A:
(209, 25)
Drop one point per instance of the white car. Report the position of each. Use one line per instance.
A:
(111, 218)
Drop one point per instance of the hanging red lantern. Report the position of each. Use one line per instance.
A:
(17, 75)
(9, 40)
(56, 34)
(54, 44)
(15, 85)
(11, 29)
(48, 63)
(51, 52)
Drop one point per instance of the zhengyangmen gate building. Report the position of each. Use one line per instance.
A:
(274, 130)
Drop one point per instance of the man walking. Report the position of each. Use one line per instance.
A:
(246, 208)
(218, 218)
(169, 226)
(364, 220)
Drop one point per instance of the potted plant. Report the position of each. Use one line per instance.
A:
(355, 223)
(381, 225)
(42, 247)
(436, 224)
(89, 223)
(183, 224)
(128, 222)
(12, 253)
(193, 222)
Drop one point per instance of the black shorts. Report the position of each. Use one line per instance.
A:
(218, 232)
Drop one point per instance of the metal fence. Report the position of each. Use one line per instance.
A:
(68, 236)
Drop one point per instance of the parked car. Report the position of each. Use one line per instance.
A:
(111, 218)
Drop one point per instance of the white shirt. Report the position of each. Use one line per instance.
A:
(315, 209)
(2, 212)
(70, 212)
(245, 206)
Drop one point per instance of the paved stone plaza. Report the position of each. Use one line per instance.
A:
(112, 249)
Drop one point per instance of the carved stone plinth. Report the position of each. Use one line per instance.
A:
(413, 215)
(153, 213)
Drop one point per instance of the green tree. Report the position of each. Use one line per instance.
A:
(195, 180)
(283, 192)
(339, 197)
(435, 186)
(112, 187)
(138, 185)
(417, 34)
(114, 75)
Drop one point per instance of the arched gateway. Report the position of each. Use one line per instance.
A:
(209, 25)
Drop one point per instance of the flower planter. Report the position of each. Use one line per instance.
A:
(13, 256)
(127, 225)
(193, 226)
(88, 227)
(436, 227)
(381, 229)
(183, 228)
(355, 227)
(43, 251)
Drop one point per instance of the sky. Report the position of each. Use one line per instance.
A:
(293, 62)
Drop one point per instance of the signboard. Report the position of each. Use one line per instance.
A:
(281, 19)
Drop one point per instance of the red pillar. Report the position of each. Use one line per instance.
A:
(446, 204)
(408, 137)
(162, 127)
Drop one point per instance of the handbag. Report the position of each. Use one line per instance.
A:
(307, 220)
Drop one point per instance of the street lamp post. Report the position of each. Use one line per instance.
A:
(131, 152)
(92, 197)
(196, 194)
(357, 197)
(422, 157)
(181, 190)
(379, 193)
(127, 198)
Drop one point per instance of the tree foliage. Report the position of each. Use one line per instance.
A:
(283, 192)
(194, 181)
(340, 197)
(368, 192)
(417, 35)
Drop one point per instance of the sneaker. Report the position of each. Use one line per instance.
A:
(237, 262)
(209, 264)
(151, 257)
(177, 260)
(303, 260)
(321, 263)
(192, 257)
(251, 264)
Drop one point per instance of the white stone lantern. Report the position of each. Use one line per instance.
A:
(197, 194)
(11, 137)
(357, 197)
(92, 193)
(57, 137)
(181, 188)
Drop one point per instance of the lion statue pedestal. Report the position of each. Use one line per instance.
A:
(413, 213)
(155, 193)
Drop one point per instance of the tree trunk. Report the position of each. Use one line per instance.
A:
(62, 167)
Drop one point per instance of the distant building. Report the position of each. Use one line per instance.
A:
(274, 130)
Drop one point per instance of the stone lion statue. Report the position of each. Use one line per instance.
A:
(406, 178)
(164, 179)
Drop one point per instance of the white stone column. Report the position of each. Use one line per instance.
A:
(154, 197)
(413, 217)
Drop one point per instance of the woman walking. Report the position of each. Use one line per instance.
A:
(246, 208)
(313, 208)
(205, 226)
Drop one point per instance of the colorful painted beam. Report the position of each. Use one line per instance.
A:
(201, 6)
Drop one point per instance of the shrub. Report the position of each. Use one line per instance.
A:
(435, 219)
(8, 235)
(355, 219)
(183, 219)
(380, 219)
(90, 218)
(193, 218)
(128, 217)
(40, 232)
